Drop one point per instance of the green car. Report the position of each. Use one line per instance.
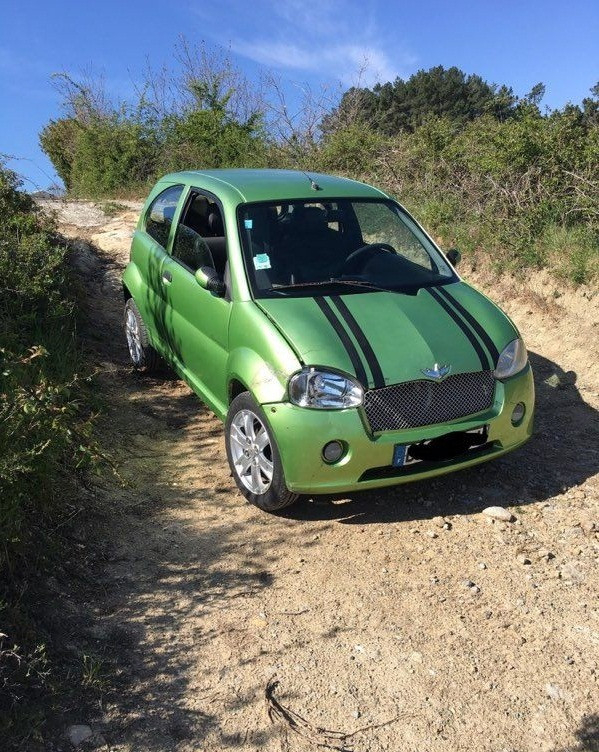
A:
(323, 325)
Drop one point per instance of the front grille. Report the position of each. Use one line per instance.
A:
(424, 403)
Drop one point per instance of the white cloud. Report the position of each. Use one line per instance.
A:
(333, 39)
(345, 62)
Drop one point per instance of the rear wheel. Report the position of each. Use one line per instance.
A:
(143, 356)
(253, 456)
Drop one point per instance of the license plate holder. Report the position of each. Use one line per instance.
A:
(401, 452)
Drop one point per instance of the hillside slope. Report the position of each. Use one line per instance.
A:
(403, 617)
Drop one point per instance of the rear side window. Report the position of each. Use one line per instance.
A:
(161, 214)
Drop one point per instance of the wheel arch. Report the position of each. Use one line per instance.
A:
(234, 389)
(249, 372)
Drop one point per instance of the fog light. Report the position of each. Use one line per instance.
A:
(333, 451)
(518, 414)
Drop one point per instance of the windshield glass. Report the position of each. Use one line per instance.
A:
(292, 248)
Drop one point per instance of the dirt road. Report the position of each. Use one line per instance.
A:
(403, 617)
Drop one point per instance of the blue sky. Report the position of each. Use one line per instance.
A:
(506, 41)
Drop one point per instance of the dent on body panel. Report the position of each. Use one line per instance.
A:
(267, 382)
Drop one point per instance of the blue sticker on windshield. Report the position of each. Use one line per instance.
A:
(261, 261)
(248, 223)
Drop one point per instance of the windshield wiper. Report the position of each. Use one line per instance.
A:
(296, 285)
(360, 283)
(332, 281)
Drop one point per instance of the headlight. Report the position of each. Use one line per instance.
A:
(323, 389)
(512, 360)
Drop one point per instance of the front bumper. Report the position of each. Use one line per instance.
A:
(301, 433)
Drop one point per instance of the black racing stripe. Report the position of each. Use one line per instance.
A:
(371, 359)
(345, 339)
(484, 361)
(487, 341)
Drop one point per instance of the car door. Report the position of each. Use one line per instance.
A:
(148, 251)
(198, 320)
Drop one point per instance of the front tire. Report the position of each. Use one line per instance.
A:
(253, 456)
(143, 356)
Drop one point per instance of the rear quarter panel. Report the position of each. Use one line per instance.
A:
(142, 274)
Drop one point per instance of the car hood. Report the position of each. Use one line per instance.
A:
(388, 337)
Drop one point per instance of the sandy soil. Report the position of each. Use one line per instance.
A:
(403, 618)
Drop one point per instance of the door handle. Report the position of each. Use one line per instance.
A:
(167, 277)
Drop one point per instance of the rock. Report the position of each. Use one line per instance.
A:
(553, 381)
(432, 534)
(556, 693)
(543, 554)
(589, 526)
(99, 632)
(571, 572)
(524, 559)
(258, 623)
(482, 565)
(499, 513)
(439, 521)
(78, 733)
(472, 586)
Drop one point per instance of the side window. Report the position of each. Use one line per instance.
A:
(200, 239)
(159, 217)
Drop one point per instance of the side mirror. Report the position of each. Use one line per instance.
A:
(454, 256)
(210, 280)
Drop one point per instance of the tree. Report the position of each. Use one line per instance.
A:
(438, 92)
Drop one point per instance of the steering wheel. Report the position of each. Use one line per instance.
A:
(358, 258)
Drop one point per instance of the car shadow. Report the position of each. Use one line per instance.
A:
(587, 736)
(560, 455)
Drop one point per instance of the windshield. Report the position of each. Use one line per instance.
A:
(292, 248)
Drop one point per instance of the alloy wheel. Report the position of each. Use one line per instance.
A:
(251, 451)
(133, 337)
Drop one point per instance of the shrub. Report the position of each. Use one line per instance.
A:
(488, 172)
(45, 436)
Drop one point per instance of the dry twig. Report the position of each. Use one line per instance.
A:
(277, 712)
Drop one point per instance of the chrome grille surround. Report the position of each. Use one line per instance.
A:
(425, 402)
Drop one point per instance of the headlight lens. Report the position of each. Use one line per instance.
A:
(324, 389)
(512, 360)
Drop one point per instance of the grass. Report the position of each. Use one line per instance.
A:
(112, 208)
(93, 672)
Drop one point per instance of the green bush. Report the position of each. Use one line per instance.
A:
(100, 157)
(59, 141)
(45, 436)
(488, 173)
(106, 153)
(500, 188)
(38, 356)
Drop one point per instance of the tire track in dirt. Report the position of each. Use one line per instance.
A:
(358, 605)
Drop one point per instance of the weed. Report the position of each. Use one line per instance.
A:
(92, 672)
(112, 208)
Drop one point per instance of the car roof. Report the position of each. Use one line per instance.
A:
(246, 185)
